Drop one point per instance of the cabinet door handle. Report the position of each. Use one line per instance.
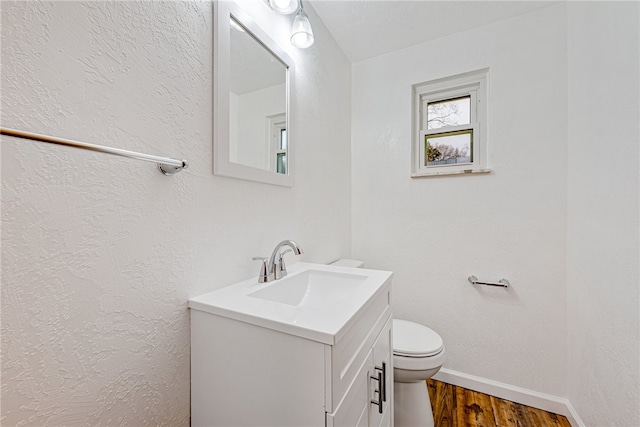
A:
(380, 379)
(383, 384)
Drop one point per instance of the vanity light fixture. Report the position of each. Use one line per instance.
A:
(284, 7)
(301, 32)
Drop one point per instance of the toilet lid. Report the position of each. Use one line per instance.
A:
(415, 340)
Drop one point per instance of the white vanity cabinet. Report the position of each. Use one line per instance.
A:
(246, 373)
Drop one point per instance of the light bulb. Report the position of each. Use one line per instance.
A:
(301, 32)
(284, 7)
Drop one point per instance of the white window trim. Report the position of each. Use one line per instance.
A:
(472, 84)
(275, 124)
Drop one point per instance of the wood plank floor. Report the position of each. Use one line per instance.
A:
(459, 407)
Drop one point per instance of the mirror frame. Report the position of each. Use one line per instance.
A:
(223, 11)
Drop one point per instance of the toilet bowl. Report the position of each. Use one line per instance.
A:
(418, 354)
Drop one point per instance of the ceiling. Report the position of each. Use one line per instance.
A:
(368, 28)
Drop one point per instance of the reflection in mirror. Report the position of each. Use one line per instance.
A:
(257, 103)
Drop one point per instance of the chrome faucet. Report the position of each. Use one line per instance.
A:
(275, 268)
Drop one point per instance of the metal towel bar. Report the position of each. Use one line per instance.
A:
(166, 165)
(503, 283)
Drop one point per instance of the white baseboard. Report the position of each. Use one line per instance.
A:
(520, 395)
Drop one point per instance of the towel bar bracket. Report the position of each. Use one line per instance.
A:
(171, 169)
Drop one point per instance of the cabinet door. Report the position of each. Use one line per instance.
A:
(370, 385)
(381, 379)
(351, 350)
(353, 411)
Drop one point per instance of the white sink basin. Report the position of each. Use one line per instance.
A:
(311, 288)
(314, 301)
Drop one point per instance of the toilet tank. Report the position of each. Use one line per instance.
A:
(344, 262)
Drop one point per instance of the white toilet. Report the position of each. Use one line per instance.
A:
(418, 354)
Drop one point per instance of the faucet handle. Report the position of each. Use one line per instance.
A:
(282, 267)
(284, 252)
(264, 275)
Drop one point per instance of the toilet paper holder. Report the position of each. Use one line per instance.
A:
(503, 283)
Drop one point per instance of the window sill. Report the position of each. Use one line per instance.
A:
(449, 173)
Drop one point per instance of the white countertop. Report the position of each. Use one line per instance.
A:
(320, 322)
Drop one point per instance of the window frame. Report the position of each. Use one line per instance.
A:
(275, 125)
(473, 85)
(279, 151)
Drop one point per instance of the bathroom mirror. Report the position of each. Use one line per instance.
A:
(253, 79)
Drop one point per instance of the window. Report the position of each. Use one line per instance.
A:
(281, 151)
(450, 123)
(278, 140)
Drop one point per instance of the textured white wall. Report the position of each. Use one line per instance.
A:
(100, 253)
(434, 232)
(603, 212)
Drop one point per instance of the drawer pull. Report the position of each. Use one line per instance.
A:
(383, 386)
(380, 379)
